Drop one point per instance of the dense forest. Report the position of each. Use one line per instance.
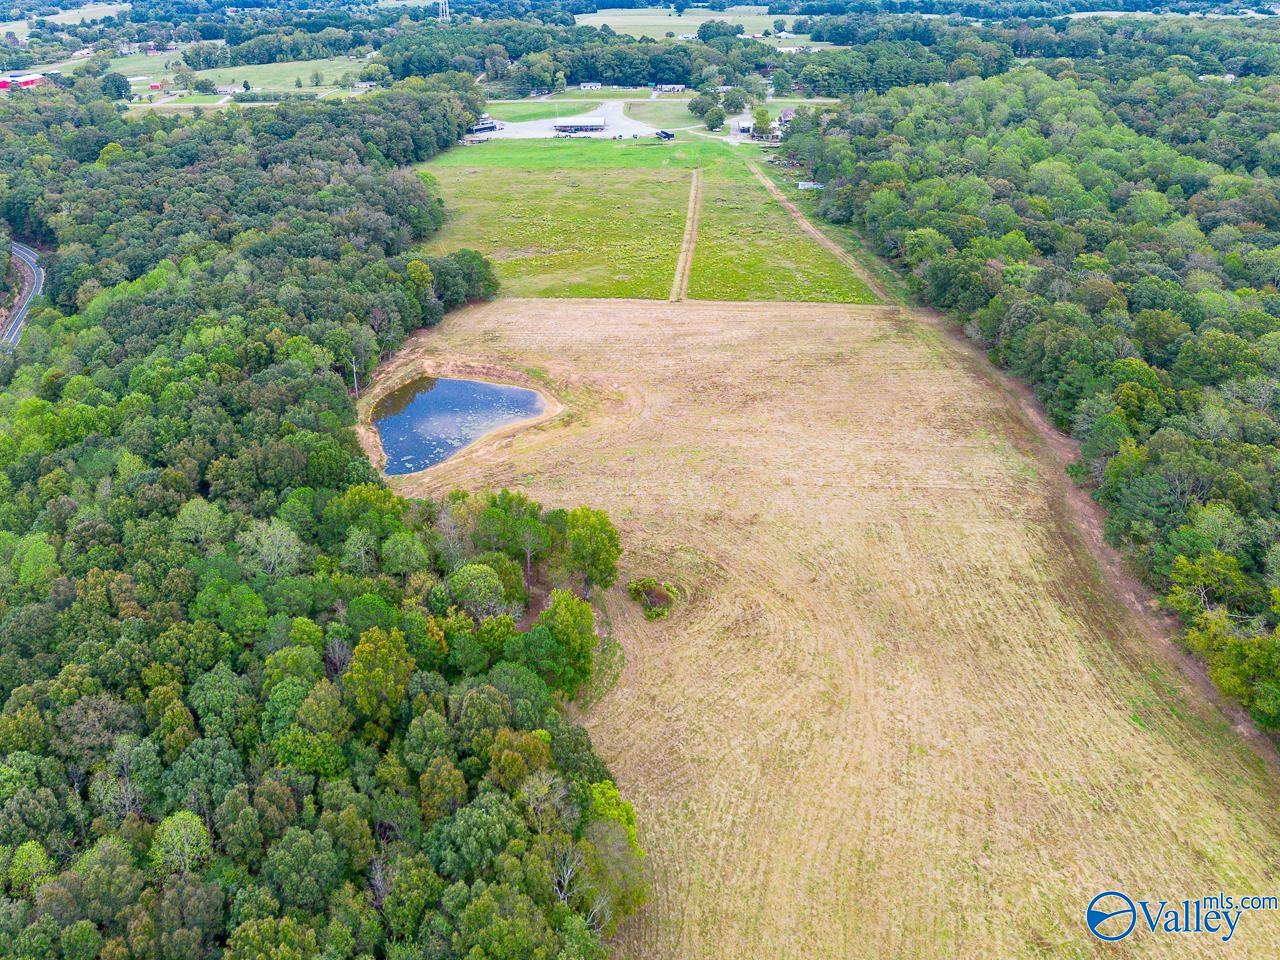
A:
(254, 704)
(1007, 9)
(1127, 277)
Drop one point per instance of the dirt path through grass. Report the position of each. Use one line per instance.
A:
(680, 284)
(843, 255)
(899, 712)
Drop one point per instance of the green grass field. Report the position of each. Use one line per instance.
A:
(656, 21)
(602, 218)
(672, 114)
(604, 93)
(518, 110)
(749, 248)
(281, 76)
(569, 218)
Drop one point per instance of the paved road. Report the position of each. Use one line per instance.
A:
(17, 320)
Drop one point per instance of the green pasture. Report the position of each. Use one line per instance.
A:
(656, 21)
(605, 218)
(672, 114)
(515, 111)
(581, 232)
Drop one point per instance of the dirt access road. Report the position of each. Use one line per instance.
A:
(898, 713)
(684, 265)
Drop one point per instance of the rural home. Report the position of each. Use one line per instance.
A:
(589, 85)
(228, 88)
(670, 88)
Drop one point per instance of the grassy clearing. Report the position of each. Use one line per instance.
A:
(560, 223)
(273, 77)
(898, 713)
(604, 93)
(281, 76)
(672, 114)
(518, 110)
(602, 218)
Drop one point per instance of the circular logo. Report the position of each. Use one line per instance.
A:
(1111, 916)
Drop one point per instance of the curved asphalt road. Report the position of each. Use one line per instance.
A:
(17, 320)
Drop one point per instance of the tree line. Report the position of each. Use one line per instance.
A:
(251, 702)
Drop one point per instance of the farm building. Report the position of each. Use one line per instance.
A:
(592, 124)
(589, 85)
(23, 80)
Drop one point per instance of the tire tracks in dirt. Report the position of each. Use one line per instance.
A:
(684, 265)
(1160, 628)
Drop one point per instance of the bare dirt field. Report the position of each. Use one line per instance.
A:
(897, 713)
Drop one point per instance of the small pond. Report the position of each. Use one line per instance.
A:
(429, 420)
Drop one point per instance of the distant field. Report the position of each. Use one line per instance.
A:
(779, 103)
(90, 11)
(605, 93)
(656, 21)
(281, 76)
(278, 77)
(599, 218)
(518, 110)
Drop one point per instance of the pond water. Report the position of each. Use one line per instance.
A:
(429, 420)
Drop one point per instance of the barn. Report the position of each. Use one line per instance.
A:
(22, 80)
